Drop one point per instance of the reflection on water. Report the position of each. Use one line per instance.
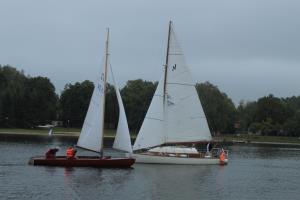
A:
(254, 172)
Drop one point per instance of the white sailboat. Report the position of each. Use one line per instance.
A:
(175, 116)
(91, 136)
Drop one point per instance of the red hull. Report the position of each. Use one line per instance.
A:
(83, 161)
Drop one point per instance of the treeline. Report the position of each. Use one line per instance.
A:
(30, 101)
(25, 101)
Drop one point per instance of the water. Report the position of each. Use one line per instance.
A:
(254, 172)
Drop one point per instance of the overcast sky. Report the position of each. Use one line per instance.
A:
(248, 48)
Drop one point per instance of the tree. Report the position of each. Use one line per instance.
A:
(246, 114)
(11, 95)
(111, 107)
(272, 108)
(74, 102)
(219, 109)
(40, 101)
(25, 101)
(292, 125)
(137, 96)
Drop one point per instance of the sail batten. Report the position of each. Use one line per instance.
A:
(183, 118)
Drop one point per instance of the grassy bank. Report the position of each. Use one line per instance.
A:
(246, 138)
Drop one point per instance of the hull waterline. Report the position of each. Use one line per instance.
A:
(154, 159)
(83, 161)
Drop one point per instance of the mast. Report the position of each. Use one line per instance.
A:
(167, 61)
(104, 85)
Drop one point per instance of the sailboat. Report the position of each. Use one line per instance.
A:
(175, 120)
(91, 136)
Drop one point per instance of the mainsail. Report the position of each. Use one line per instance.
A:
(175, 113)
(92, 130)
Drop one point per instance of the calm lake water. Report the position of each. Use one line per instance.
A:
(254, 172)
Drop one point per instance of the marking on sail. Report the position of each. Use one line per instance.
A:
(100, 88)
(95, 102)
(174, 68)
(169, 102)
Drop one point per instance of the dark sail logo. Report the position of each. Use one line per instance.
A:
(174, 68)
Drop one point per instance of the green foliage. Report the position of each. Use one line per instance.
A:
(273, 108)
(111, 107)
(40, 101)
(271, 116)
(25, 101)
(292, 125)
(246, 114)
(74, 102)
(137, 96)
(219, 109)
(29, 101)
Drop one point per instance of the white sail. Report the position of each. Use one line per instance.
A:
(152, 130)
(91, 136)
(180, 118)
(92, 130)
(184, 116)
(122, 139)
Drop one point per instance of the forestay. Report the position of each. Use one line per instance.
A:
(179, 117)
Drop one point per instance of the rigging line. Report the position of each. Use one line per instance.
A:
(175, 54)
(185, 84)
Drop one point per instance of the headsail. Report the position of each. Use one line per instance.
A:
(177, 114)
(122, 139)
(152, 130)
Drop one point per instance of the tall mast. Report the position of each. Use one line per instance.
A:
(104, 91)
(167, 61)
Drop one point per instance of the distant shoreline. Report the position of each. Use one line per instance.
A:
(110, 134)
(267, 143)
(56, 134)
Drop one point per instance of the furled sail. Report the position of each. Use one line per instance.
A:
(122, 139)
(92, 130)
(178, 116)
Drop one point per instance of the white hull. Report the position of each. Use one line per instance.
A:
(154, 159)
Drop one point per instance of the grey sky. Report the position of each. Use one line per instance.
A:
(248, 48)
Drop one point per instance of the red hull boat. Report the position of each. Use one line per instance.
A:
(92, 132)
(83, 161)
